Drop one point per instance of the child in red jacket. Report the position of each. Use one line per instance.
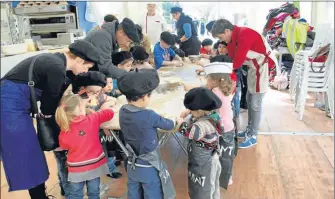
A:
(79, 135)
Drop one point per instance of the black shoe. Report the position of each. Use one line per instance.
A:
(115, 175)
(62, 192)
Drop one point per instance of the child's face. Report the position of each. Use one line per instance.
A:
(109, 85)
(222, 49)
(126, 66)
(164, 45)
(211, 83)
(208, 48)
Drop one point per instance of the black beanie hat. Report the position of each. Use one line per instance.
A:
(119, 57)
(138, 82)
(168, 38)
(91, 78)
(139, 53)
(201, 99)
(207, 42)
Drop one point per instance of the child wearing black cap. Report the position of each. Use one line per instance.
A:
(141, 58)
(203, 128)
(206, 49)
(123, 60)
(163, 54)
(147, 173)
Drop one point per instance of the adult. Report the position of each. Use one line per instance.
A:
(107, 19)
(24, 162)
(248, 47)
(109, 39)
(190, 43)
(153, 23)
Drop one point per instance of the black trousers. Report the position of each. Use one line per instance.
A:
(244, 91)
(191, 46)
(38, 192)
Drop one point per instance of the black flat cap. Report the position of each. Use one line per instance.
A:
(91, 78)
(176, 9)
(207, 42)
(120, 57)
(138, 82)
(201, 99)
(86, 51)
(168, 38)
(209, 26)
(130, 30)
(139, 53)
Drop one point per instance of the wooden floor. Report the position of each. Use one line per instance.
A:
(279, 167)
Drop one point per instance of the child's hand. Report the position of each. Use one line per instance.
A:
(106, 131)
(180, 120)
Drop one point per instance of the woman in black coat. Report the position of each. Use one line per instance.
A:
(24, 162)
(186, 31)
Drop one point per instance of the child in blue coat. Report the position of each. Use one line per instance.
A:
(163, 54)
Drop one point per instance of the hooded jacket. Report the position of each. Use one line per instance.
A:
(105, 40)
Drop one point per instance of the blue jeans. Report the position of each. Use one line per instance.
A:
(62, 171)
(77, 189)
(236, 102)
(255, 105)
(111, 164)
(144, 183)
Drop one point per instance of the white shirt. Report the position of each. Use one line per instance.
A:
(153, 26)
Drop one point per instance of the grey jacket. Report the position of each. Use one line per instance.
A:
(105, 40)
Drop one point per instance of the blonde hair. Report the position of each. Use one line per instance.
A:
(66, 111)
(200, 113)
(224, 83)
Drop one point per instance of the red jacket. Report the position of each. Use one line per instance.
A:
(248, 45)
(82, 141)
(204, 51)
(233, 77)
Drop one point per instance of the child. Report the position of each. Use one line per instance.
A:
(147, 173)
(220, 82)
(122, 60)
(141, 58)
(222, 48)
(178, 51)
(88, 86)
(163, 54)
(204, 167)
(206, 50)
(86, 160)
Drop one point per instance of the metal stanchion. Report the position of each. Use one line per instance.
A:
(165, 137)
(124, 149)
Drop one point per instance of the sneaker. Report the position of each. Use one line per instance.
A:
(248, 142)
(115, 175)
(241, 135)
